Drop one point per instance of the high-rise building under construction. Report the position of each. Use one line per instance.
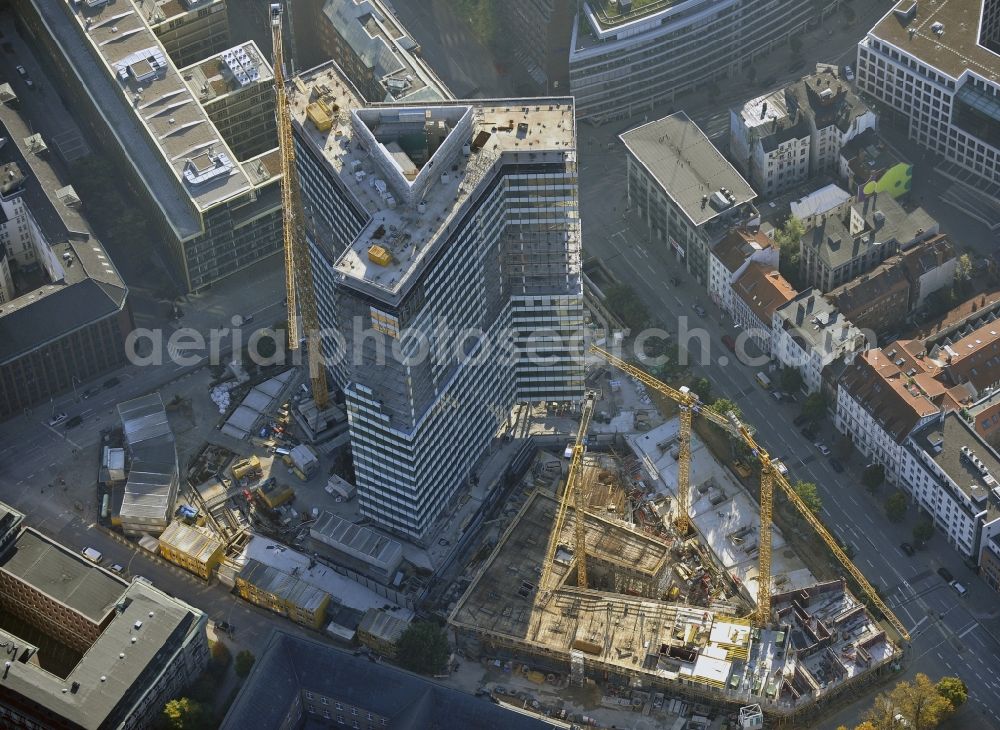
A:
(445, 239)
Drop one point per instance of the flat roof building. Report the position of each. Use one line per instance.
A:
(218, 213)
(409, 224)
(188, 29)
(370, 45)
(685, 191)
(192, 549)
(236, 88)
(153, 474)
(626, 57)
(94, 651)
(934, 64)
(65, 310)
(357, 546)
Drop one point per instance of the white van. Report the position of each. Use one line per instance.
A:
(92, 555)
(959, 588)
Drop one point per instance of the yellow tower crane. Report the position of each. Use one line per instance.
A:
(571, 492)
(298, 270)
(769, 477)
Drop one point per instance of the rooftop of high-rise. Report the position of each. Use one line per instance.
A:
(415, 169)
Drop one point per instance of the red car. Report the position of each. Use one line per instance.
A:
(729, 342)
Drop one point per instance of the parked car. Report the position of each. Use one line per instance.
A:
(57, 418)
(777, 395)
(74, 422)
(111, 383)
(836, 465)
(945, 574)
(780, 466)
(225, 627)
(848, 73)
(116, 568)
(92, 555)
(959, 588)
(823, 448)
(21, 71)
(907, 548)
(699, 310)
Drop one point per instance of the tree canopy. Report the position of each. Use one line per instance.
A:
(895, 506)
(873, 477)
(627, 306)
(423, 648)
(810, 495)
(920, 705)
(923, 531)
(186, 714)
(244, 663)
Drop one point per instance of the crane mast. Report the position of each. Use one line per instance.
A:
(769, 477)
(571, 493)
(298, 270)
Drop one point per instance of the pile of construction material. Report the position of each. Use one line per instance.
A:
(220, 396)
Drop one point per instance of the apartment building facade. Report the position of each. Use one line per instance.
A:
(781, 139)
(442, 232)
(627, 57)
(756, 295)
(809, 334)
(731, 257)
(934, 64)
(855, 237)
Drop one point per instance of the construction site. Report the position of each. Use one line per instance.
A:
(649, 598)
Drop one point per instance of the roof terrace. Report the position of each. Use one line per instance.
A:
(415, 167)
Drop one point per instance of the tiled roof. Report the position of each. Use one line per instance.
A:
(764, 290)
(738, 245)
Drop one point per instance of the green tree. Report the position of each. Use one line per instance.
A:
(923, 531)
(788, 238)
(423, 648)
(920, 703)
(186, 714)
(953, 689)
(814, 407)
(963, 276)
(221, 657)
(791, 379)
(895, 506)
(873, 477)
(808, 493)
(702, 388)
(723, 406)
(624, 304)
(244, 663)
